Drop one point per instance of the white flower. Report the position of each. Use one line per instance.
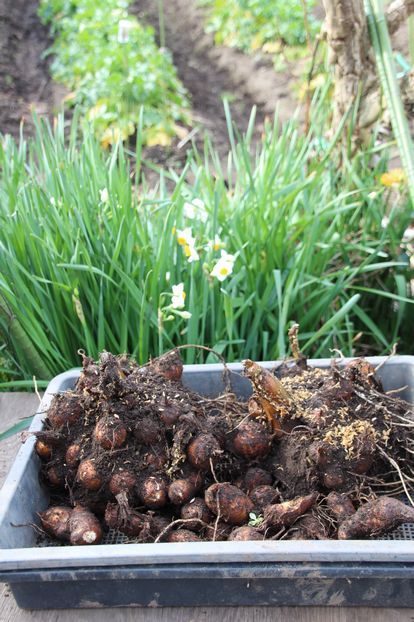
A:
(225, 256)
(191, 253)
(196, 209)
(385, 222)
(104, 194)
(167, 276)
(178, 297)
(224, 266)
(185, 237)
(124, 28)
(189, 210)
(408, 234)
(215, 244)
(373, 195)
(53, 201)
(177, 303)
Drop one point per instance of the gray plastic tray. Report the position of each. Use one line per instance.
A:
(366, 572)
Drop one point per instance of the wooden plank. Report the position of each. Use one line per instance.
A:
(14, 406)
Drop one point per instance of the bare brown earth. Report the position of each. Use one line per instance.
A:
(212, 72)
(25, 84)
(209, 73)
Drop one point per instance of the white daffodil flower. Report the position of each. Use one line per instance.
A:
(215, 244)
(189, 211)
(178, 297)
(185, 237)
(195, 209)
(191, 253)
(104, 195)
(224, 266)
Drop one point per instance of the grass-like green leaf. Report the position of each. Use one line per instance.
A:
(307, 238)
(18, 427)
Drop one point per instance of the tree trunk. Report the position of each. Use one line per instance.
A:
(354, 64)
(353, 59)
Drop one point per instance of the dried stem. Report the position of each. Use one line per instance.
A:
(400, 474)
(294, 343)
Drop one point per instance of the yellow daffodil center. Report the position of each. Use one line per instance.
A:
(182, 241)
(224, 271)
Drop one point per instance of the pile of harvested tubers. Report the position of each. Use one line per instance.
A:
(313, 454)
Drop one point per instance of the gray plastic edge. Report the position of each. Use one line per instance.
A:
(23, 456)
(204, 552)
(116, 555)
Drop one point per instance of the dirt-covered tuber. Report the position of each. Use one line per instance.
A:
(122, 481)
(109, 433)
(181, 491)
(229, 503)
(251, 440)
(153, 491)
(375, 517)
(201, 450)
(84, 527)
(88, 475)
(245, 534)
(262, 496)
(183, 535)
(55, 521)
(284, 514)
(197, 510)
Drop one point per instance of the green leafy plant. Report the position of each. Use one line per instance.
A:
(255, 520)
(112, 66)
(223, 257)
(388, 76)
(7, 369)
(254, 25)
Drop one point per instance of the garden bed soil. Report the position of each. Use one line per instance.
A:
(211, 72)
(208, 72)
(25, 83)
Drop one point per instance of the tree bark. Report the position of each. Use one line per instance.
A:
(397, 12)
(353, 59)
(354, 64)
